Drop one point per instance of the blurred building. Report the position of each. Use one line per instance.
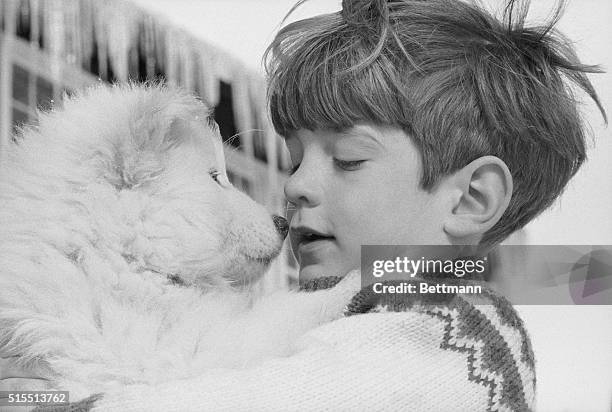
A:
(52, 47)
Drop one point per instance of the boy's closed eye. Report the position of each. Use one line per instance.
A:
(347, 165)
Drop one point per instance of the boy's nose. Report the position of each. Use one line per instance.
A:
(282, 227)
(301, 189)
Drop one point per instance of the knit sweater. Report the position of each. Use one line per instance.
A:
(384, 353)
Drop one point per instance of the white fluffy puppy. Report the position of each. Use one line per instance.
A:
(121, 240)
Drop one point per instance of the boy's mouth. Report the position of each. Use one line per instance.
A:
(306, 235)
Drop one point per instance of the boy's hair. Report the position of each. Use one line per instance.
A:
(461, 83)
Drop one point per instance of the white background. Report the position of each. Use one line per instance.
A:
(573, 344)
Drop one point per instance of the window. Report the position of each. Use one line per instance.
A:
(31, 92)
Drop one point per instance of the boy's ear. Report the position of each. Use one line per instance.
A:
(481, 193)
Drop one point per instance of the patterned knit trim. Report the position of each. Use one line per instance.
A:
(325, 282)
(485, 327)
(509, 316)
(489, 361)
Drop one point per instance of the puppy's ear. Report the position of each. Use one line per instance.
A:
(161, 114)
(158, 129)
(180, 131)
(163, 120)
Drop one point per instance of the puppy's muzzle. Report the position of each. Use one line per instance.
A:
(282, 227)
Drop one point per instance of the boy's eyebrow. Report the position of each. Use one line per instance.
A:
(362, 131)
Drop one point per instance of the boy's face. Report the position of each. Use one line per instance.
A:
(356, 187)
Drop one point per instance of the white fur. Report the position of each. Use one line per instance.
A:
(98, 205)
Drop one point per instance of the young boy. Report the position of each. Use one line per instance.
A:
(421, 122)
(408, 122)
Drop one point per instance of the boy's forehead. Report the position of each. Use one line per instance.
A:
(367, 132)
(364, 130)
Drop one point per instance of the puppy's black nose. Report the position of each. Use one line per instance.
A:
(282, 227)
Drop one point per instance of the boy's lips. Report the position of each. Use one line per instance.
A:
(308, 240)
(304, 234)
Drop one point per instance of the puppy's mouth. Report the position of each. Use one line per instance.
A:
(265, 261)
(173, 278)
